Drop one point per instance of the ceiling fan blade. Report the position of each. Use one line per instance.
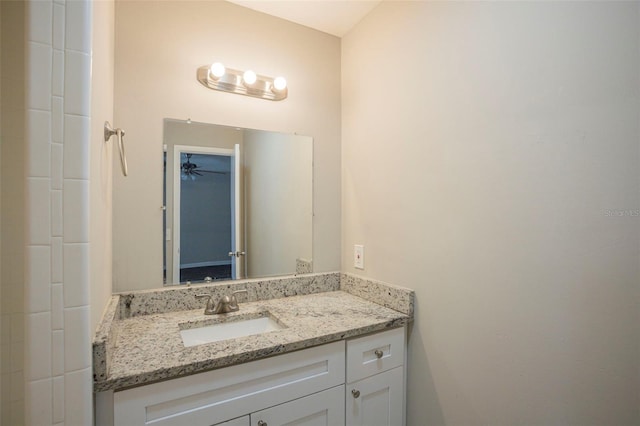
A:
(212, 171)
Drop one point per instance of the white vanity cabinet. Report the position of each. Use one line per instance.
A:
(220, 395)
(305, 388)
(375, 379)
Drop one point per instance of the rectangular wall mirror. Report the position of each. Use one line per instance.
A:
(237, 203)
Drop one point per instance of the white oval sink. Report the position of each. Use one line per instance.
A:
(228, 330)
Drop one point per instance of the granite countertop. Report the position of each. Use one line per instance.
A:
(149, 348)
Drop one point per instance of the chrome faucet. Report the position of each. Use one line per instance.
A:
(225, 304)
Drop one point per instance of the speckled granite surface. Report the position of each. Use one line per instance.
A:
(138, 340)
(105, 339)
(149, 348)
(304, 266)
(182, 297)
(388, 295)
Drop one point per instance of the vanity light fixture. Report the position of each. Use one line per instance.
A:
(218, 77)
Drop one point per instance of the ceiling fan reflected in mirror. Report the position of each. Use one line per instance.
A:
(191, 170)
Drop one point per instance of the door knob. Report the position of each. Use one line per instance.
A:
(261, 423)
(355, 393)
(378, 353)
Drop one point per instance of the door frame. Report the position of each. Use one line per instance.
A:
(177, 168)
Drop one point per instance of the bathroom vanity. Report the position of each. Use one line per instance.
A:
(336, 358)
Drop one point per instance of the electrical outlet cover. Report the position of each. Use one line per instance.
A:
(358, 256)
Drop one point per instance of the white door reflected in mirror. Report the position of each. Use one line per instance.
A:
(205, 200)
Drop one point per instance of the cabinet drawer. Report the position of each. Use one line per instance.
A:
(373, 354)
(216, 396)
(322, 408)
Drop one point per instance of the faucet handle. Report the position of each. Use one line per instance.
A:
(208, 310)
(234, 302)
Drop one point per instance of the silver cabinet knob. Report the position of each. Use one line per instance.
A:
(261, 423)
(355, 393)
(378, 353)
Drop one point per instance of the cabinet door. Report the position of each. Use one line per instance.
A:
(376, 400)
(320, 409)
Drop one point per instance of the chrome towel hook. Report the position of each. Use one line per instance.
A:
(110, 131)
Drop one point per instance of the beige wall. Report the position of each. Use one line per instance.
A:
(278, 192)
(12, 212)
(488, 149)
(100, 190)
(155, 78)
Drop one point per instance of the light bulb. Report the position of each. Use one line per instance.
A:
(279, 84)
(249, 77)
(217, 70)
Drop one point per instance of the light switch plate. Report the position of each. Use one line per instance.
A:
(358, 256)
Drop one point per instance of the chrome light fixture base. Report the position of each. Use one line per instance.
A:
(232, 82)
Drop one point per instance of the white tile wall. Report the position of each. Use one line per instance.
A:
(58, 346)
(39, 412)
(76, 213)
(77, 397)
(17, 360)
(56, 163)
(58, 27)
(57, 356)
(58, 399)
(57, 307)
(39, 153)
(75, 126)
(38, 346)
(17, 385)
(56, 263)
(77, 27)
(76, 266)
(38, 211)
(57, 123)
(57, 80)
(77, 81)
(56, 213)
(38, 88)
(38, 277)
(77, 354)
(41, 13)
